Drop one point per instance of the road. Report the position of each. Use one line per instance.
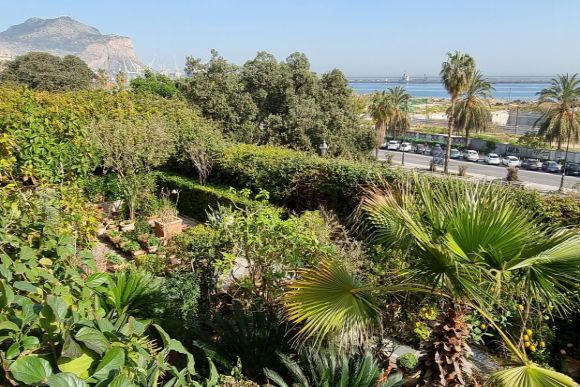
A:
(535, 179)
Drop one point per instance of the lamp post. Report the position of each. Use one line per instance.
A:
(406, 110)
(323, 148)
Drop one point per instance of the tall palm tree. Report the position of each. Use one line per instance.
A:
(380, 109)
(470, 244)
(399, 118)
(455, 74)
(472, 110)
(561, 119)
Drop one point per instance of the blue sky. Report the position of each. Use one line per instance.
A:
(517, 37)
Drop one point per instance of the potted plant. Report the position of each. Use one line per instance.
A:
(153, 244)
(127, 225)
(168, 224)
(143, 238)
(114, 236)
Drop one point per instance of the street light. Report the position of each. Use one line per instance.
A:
(323, 148)
(406, 110)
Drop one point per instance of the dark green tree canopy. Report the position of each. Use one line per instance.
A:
(267, 101)
(155, 83)
(43, 71)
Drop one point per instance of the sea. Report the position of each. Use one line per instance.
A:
(504, 91)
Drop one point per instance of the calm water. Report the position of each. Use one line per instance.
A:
(506, 91)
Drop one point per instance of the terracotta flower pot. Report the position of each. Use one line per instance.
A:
(127, 225)
(168, 230)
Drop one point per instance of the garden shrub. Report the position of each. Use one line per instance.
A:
(302, 181)
(196, 199)
(408, 362)
(299, 180)
(178, 306)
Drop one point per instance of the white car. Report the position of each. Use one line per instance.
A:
(492, 159)
(392, 145)
(471, 155)
(511, 161)
(405, 147)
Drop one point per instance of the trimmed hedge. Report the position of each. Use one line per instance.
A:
(298, 180)
(301, 181)
(196, 199)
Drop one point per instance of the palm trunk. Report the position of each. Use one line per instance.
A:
(380, 130)
(443, 361)
(449, 132)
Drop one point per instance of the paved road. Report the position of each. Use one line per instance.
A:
(537, 179)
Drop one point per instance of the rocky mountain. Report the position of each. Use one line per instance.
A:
(63, 36)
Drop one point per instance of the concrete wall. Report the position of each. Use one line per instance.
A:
(522, 152)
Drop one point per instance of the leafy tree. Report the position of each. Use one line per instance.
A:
(48, 140)
(216, 89)
(283, 103)
(472, 110)
(154, 83)
(560, 101)
(471, 245)
(455, 73)
(43, 71)
(133, 146)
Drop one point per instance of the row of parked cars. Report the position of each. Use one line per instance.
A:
(532, 164)
(490, 159)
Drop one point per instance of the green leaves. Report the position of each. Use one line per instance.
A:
(113, 360)
(93, 339)
(329, 301)
(79, 366)
(65, 379)
(530, 375)
(31, 370)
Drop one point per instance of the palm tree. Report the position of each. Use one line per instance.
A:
(399, 119)
(380, 109)
(472, 110)
(470, 244)
(561, 119)
(455, 74)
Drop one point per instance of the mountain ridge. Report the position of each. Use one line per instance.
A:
(66, 36)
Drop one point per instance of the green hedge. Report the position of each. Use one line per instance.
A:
(196, 199)
(298, 180)
(301, 181)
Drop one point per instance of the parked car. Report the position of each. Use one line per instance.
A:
(455, 154)
(471, 155)
(551, 166)
(511, 161)
(437, 150)
(405, 147)
(572, 169)
(393, 145)
(492, 159)
(421, 149)
(533, 164)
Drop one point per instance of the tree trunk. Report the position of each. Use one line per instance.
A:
(380, 130)
(449, 132)
(442, 362)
